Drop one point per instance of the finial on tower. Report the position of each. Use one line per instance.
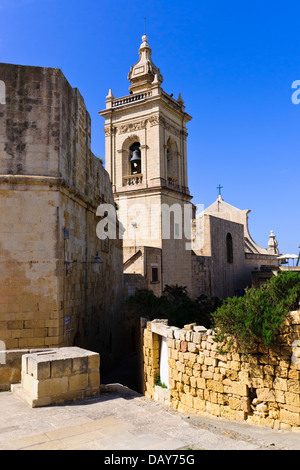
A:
(273, 244)
(144, 37)
(142, 74)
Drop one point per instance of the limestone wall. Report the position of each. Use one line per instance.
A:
(50, 187)
(212, 273)
(262, 388)
(11, 366)
(138, 269)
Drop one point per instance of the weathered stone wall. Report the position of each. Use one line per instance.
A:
(11, 366)
(201, 275)
(212, 273)
(50, 181)
(261, 388)
(138, 265)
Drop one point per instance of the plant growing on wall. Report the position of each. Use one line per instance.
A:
(158, 382)
(259, 315)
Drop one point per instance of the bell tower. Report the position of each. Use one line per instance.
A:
(145, 156)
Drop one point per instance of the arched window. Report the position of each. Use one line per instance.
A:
(229, 247)
(172, 161)
(131, 161)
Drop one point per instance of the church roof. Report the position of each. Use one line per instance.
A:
(226, 211)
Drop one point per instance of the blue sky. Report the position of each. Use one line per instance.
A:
(234, 64)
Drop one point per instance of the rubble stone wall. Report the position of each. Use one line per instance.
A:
(260, 388)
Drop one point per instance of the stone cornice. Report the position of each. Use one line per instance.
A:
(159, 189)
(153, 120)
(31, 179)
(54, 183)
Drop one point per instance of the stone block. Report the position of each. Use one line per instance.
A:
(234, 403)
(239, 389)
(78, 382)
(94, 379)
(159, 327)
(56, 376)
(190, 326)
(280, 384)
(199, 404)
(79, 364)
(201, 383)
(227, 412)
(287, 417)
(215, 386)
(183, 346)
(292, 399)
(200, 329)
(196, 338)
(52, 387)
(213, 409)
(192, 347)
(38, 369)
(61, 367)
(265, 394)
(293, 386)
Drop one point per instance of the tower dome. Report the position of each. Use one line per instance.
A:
(143, 73)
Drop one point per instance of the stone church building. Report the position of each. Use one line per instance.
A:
(60, 284)
(164, 241)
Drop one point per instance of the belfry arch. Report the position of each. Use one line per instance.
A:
(172, 157)
(131, 159)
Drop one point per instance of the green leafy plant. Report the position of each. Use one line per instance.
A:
(158, 382)
(258, 315)
(175, 305)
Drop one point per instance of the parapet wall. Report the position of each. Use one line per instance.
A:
(261, 388)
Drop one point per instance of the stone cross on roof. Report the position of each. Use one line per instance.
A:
(219, 190)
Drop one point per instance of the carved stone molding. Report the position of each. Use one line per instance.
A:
(109, 131)
(139, 125)
(133, 126)
(154, 120)
(160, 120)
(184, 134)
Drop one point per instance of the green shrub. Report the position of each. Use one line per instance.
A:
(259, 314)
(175, 305)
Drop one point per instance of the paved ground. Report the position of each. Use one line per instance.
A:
(124, 420)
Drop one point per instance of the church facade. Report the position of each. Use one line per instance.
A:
(225, 258)
(164, 243)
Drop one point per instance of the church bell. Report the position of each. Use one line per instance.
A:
(136, 156)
